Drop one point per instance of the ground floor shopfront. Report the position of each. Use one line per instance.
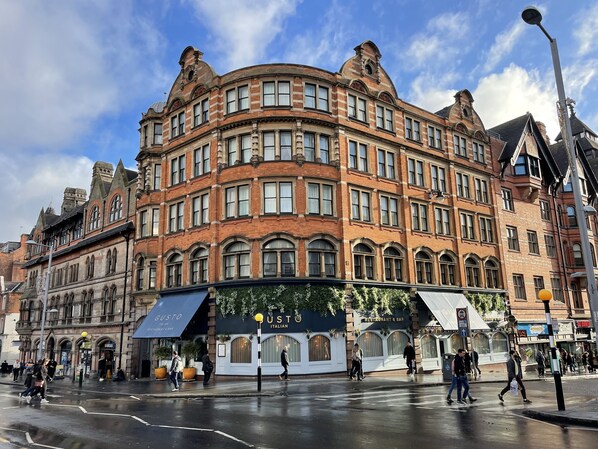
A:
(318, 343)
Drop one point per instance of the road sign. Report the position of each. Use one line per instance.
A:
(463, 321)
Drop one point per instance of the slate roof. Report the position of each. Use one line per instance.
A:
(559, 153)
(67, 215)
(510, 132)
(577, 127)
(444, 112)
(131, 174)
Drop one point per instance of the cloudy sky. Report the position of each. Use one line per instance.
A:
(76, 75)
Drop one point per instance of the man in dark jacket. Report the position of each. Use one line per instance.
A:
(514, 372)
(284, 361)
(409, 356)
(207, 367)
(462, 382)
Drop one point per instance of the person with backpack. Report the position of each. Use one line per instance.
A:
(207, 367)
(176, 367)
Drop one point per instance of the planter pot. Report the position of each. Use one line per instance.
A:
(189, 373)
(160, 372)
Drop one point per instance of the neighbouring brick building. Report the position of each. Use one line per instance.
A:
(91, 240)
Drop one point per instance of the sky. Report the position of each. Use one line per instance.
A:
(76, 75)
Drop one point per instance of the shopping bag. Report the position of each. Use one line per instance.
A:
(514, 387)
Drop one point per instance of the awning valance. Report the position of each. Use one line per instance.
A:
(444, 308)
(171, 315)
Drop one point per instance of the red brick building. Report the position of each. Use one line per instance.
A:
(287, 178)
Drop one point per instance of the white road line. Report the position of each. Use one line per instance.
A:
(140, 420)
(233, 438)
(199, 429)
(135, 397)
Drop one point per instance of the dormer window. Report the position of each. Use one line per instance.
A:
(527, 166)
(369, 70)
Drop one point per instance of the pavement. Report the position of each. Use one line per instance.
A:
(582, 414)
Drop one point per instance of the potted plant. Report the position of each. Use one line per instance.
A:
(162, 353)
(189, 351)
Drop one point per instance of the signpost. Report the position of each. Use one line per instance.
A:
(463, 324)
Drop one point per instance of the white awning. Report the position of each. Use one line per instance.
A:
(444, 308)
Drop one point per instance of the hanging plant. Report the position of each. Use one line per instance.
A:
(223, 337)
(246, 301)
(485, 302)
(375, 302)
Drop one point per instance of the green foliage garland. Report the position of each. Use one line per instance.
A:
(485, 302)
(375, 302)
(245, 302)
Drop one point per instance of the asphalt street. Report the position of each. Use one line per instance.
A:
(305, 413)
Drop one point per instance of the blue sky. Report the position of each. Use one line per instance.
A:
(76, 75)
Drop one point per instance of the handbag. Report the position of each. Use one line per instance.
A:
(514, 387)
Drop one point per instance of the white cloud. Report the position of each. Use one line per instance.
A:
(65, 67)
(430, 93)
(328, 44)
(586, 30)
(444, 40)
(32, 183)
(503, 96)
(243, 30)
(503, 45)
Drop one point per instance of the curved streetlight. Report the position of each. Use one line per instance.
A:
(545, 296)
(259, 318)
(533, 16)
(42, 342)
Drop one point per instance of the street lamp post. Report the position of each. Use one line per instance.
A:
(545, 296)
(259, 318)
(42, 343)
(532, 16)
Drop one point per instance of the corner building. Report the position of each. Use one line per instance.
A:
(323, 201)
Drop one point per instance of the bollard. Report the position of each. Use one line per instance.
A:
(81, 378)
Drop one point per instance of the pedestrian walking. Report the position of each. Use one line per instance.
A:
(284, 361)
(449, 400)
(21, 368)
(15, 371)
(356, 361)
(51, 370)
(207, 367)
(514, 373)
(541, 361)
(28, 382)
(4, 368)
(409, 356)
(176, 366)
(102, 368)
(462, 382)
(475, 363)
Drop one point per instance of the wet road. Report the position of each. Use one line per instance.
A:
(305, 414)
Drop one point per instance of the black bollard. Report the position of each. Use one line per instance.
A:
(81, 378)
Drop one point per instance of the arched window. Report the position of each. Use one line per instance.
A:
(240, 350)
(499, 343)
(174, 270)
(447, 270)
(139, 278)
(31, 312)
(83, 310)
(114, 258)
(89, 308)
(322, 259)
(481, 343)
(472, 272)
(116, 209)
(68, 307)
(319, 348)
(571, 218)
(396, 343)
(577, 255)
(236, 261)
(429, 349)
(109, 262)
(279, 258)
(90, 266)
(272, 347)
(423, 268)
(105, 301)
(492, 274)
(363, 262)
(393, 265)
(94, 218)
(371, 344)
(199, 266)
(454, 343)
(112, 309)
